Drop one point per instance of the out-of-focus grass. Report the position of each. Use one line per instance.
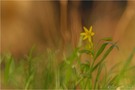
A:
(44, 71)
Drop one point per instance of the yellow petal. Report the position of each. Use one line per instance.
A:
(82, 34)
(85, 37)
(90, 30)
(92, 33)
(85, 29)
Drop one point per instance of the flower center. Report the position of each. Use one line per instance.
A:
(88, 34)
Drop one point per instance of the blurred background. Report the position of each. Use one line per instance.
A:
(57, 24)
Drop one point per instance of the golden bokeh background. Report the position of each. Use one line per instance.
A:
(57, 24)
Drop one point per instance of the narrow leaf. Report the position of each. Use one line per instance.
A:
(87, 52)
(101, 50)
(104, 57)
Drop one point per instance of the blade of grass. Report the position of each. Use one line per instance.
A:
(87, 51)
(108, 75)
(98, 74)
(30, 74)
(125, 67)
(9, 68)
(111, 81)
(100, 50)
(29, 80)
(104, 56)
(57, 78)
(73, 56)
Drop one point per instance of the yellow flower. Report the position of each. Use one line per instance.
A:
(87, 34)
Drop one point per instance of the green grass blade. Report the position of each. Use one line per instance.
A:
(30, 72)
(104, 56)
(98, 75)
(73, 56)
(107, 77)
(29, 80)
(9, 68)
(111, 81)
(101, 49)
(57, 78)
(87, 51)
(125, 67)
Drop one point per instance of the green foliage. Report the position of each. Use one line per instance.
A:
(71, 72)
(9, 68)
